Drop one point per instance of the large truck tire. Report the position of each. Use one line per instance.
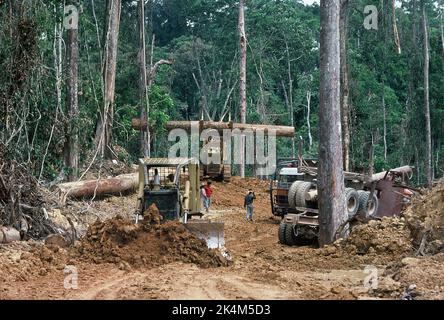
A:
(281, 232)
(373, 208)
(292, 193)
(351, 202)
(290, 238)
(301, 191)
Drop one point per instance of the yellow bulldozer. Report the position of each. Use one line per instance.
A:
(173, 185)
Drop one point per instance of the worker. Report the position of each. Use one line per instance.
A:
(248, 204)
(208, 194)
(156, 182)
(203, 196)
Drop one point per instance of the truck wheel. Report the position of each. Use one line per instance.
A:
(373, 206)
(290, 238)
(363, 199)
(292, 193)
(301, 191)
(281, 232)
(351, 201)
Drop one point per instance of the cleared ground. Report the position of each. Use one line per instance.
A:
(262, 268)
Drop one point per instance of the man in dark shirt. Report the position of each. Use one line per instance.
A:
(248, 204)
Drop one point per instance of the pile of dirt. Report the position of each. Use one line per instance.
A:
(232, 194)
(425, 219)
(21, 200)
(386, 236)
(149, 243)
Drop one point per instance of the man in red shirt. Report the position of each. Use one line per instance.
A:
(208, 193)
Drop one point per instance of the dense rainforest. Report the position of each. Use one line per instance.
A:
(389, 74)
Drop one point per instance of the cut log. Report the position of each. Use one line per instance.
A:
(124, 183)
(281, 131)
(380, 175)
(8, 234)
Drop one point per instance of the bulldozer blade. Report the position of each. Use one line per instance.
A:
(211, 232)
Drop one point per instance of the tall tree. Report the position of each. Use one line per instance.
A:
(426, 97)
(345, 101)
(144, 133)
(71, 148)
(242, 79)
(330, 173)
(395, 29)
(104, 125)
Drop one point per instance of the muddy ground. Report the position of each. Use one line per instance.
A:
(377, 262)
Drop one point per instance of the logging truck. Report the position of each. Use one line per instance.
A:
(294, 198)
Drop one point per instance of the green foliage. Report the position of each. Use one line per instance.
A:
(201, 37)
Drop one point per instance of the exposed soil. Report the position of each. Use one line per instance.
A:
(150, 243)
(162, 261)
(425, 218)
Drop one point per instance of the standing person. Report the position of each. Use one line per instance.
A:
(156, 181)
(203, 196)
(248, 204)
(208, 193)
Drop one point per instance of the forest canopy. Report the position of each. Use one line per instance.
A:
(198, 44)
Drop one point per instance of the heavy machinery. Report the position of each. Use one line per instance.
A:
(294, 197)
(175, 191)
(215, 149)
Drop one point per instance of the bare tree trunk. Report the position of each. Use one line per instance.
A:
(395, 29)
(442, 32)
(330, 173)
(384, 120)
(290, 98)
(71, 148)
(144, 138)
(345, 104)
(104, 126)
(310, 139)
(242, 80)
(426, 98)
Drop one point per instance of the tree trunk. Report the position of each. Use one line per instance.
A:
(144, 134)
(290, 98)
(105, 120)
(71, 148)
(345, 104)
(310, 139)
(395, 29)
(331, 175)
(384, 120)
(90, 188)
(242, 80)
(426, 99)
(442, 32)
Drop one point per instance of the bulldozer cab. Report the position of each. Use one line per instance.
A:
(172, 184)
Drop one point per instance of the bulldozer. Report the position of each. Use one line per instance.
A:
(172, 184)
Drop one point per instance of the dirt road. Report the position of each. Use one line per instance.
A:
(262, 268)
